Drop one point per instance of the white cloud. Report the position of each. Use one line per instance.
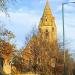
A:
(21, 22)
(67, 8)
(71, 0)
(69, 30)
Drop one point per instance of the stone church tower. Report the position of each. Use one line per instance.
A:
(43, 52)
(47, 27)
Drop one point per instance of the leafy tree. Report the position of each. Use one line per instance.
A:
(6, 48)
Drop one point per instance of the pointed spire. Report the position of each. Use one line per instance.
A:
(47, 16)
(47, 9)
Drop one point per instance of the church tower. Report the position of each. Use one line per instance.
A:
(47, 27)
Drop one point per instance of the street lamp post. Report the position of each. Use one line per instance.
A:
(64, 33)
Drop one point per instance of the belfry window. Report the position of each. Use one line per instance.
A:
(52, 29)
(46, 19)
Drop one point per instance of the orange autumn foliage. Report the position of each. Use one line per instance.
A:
(5, 48)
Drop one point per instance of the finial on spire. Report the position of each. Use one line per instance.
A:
(47, 1)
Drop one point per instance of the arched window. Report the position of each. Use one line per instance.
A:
(46, 19)
(47, 33)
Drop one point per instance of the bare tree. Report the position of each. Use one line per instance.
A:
(3, 5)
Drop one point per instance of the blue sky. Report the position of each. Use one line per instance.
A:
(25, 14)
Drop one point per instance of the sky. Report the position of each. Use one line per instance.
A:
(25, 15)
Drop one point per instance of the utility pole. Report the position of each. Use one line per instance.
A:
(64, 34)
